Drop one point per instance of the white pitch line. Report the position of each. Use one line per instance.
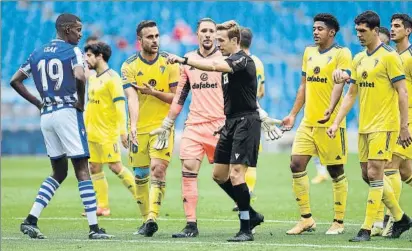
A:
(174, 219)
(250, 244)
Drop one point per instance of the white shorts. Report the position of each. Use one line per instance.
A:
(64, 134)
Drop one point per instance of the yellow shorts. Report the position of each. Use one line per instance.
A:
(104, 153)
(376, 145)
(141, 156)
(314, 141)
(406, 153)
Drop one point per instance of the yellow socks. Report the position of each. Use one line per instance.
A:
(101, 187)
(390, 201)
(395, 177)
(250, 178)
(157, 192)
(128, 180)
(340, 194)
(142, 177)
(374, 200)
(300, 187)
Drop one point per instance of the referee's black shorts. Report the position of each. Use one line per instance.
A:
(239, 140)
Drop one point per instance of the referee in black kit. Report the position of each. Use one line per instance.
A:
(239, 138)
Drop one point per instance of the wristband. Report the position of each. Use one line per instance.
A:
(185, 62)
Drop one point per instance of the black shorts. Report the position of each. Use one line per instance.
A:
(239, 140)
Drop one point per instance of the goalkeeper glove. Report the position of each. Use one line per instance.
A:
(163, 134)
(269, 127)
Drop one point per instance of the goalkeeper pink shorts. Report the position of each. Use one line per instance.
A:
(198, 140)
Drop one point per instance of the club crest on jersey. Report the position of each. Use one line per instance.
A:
(225, 78)
(204, 77)
(152, 82)
(162, 69)
(364, 75)
(316, 70)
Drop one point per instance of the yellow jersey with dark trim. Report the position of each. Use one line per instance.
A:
(104, 91)
(375, 74)
(158, 74)
(406, 57)
(317, 68)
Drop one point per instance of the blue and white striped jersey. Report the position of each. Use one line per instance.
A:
(51, 66)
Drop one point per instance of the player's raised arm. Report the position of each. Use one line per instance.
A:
(182, 91)
(340, 77)
(17, 83)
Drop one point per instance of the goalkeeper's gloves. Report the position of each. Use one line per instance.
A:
(269, 126)
(163, 134)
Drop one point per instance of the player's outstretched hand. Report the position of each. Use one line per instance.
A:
(332, 130)
(172, 59)
(145, 89)
(218, 130)
(288, 122)
(269, 126)
(339, 76)
(125, 141)
(405, 139)
(326, 116)
(163, 134)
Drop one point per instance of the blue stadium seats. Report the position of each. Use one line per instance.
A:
(281, 31)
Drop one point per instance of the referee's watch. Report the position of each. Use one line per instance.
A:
(185, 62)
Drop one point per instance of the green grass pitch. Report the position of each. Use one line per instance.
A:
(62, 223)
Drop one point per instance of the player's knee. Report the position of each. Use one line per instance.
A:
(335, 171)
(60, 175)
(219, 177)
(374, 173)
(95, 168)
(237, 176)
(159, 171)
(297, 166)
(141, 172)
(116, 167)
(188, 166)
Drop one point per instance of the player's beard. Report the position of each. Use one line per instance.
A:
(149, 50)
(207, 47)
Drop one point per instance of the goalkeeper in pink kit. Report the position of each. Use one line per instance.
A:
(205, 118)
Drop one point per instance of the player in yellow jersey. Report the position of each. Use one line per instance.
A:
(148, 74)
(400, 168)
(378, 76)
(105, 123)
(317, 89)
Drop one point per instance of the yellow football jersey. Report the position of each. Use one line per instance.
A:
(406, 57)
(260, 71)
(378, 100)
(317, 68)
(161, 76)
(103, 124)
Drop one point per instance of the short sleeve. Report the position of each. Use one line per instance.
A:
(26, 67)
(344, 60)
(127, 76)
(353, 69)
(116, 89)
(237, 62)
(304, 59)
(394, 67)
(174, 75)
(78, 58)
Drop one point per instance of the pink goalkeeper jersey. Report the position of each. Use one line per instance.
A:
(207, 94)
